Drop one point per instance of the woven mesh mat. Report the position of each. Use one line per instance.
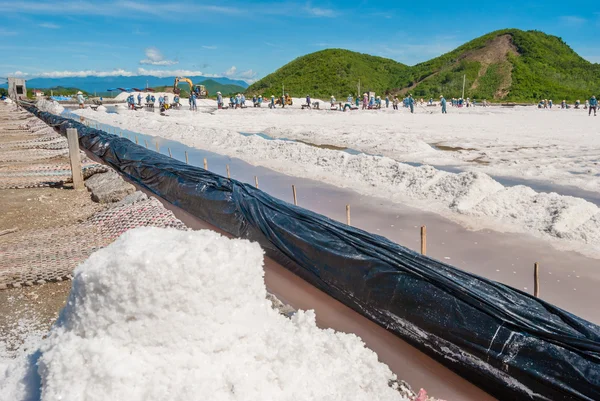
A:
(51, 255)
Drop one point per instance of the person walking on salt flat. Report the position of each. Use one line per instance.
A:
(443, 104)
(140, 99)
(387, 102)
(411, 103)
(395, 103)
(80, 100)
(593, 105)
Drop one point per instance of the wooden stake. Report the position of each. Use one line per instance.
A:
(227, 167)
(205, 164)
(170, 155)
(423, 240)
(186, 158)
(157, 147)
(256, 181)
(348, 215)
(536, 279)
(73, 141)
(146, 142)
(136, 140)
(294, 192)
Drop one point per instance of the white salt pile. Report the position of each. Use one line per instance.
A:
(50, 106)
(169, 315)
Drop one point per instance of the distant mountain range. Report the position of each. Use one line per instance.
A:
(101, 84)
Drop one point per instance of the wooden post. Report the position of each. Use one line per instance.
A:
(227, 167)
(294, 192)
(157, 147)
(186, 158)
(536, 278)
(121, 134)
(348, 214)
(205, 164)
(256, 181)
(73, 141)
(170, 155)
(136, 140)
(146, 142)
(423, 240)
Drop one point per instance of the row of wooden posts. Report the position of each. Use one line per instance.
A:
(72, 136)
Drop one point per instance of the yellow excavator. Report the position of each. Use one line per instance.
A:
(200, 90)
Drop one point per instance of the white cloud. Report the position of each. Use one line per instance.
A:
(4, 32)
(572, 20)
(209, 47)
(248, 74)
(319, 12)
(230, 72)
(125, 9)
(49, 25)
(155, 57)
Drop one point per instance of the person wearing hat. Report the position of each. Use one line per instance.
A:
(443, 104)
(387, 101)
(272, 104)
(219, 100)
(80, 100)
(593, 105)
(411, 103)
(332, 101)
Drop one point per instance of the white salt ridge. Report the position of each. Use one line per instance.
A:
(51, 106)
(472, 198)
(163, 314)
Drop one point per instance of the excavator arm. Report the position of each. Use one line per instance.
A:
(176, 89)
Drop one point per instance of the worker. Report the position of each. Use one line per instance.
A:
(147, 98)
(308, 100)
(272, 104)
(443, 104)
(593, 105)
(365, 101)
(387, 101)
(563, 104)
(176, 101)
(372, 102)
(395, 103)
(80, 100)
(550, 103)
(193, 106)
(219, 100)
(254, 100)
(378, 102)
(152, 99)
(140, 99)
(242, 101)
(411, 103)
(161, 101)
(260, 100)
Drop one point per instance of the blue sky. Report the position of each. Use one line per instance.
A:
(249, 39)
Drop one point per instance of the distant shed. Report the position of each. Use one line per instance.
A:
(16, 88)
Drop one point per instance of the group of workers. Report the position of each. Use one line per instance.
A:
(591, 105)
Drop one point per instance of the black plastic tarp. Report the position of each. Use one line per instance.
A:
(513, 345)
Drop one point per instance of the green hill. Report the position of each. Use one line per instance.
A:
(332, 72)
(504, 65)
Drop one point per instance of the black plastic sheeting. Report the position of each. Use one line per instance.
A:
(512, 345)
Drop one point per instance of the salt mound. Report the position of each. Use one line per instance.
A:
(50, 106)
(163, 314)
(101, 108)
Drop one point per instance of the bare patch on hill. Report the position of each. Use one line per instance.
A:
(496, 51)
